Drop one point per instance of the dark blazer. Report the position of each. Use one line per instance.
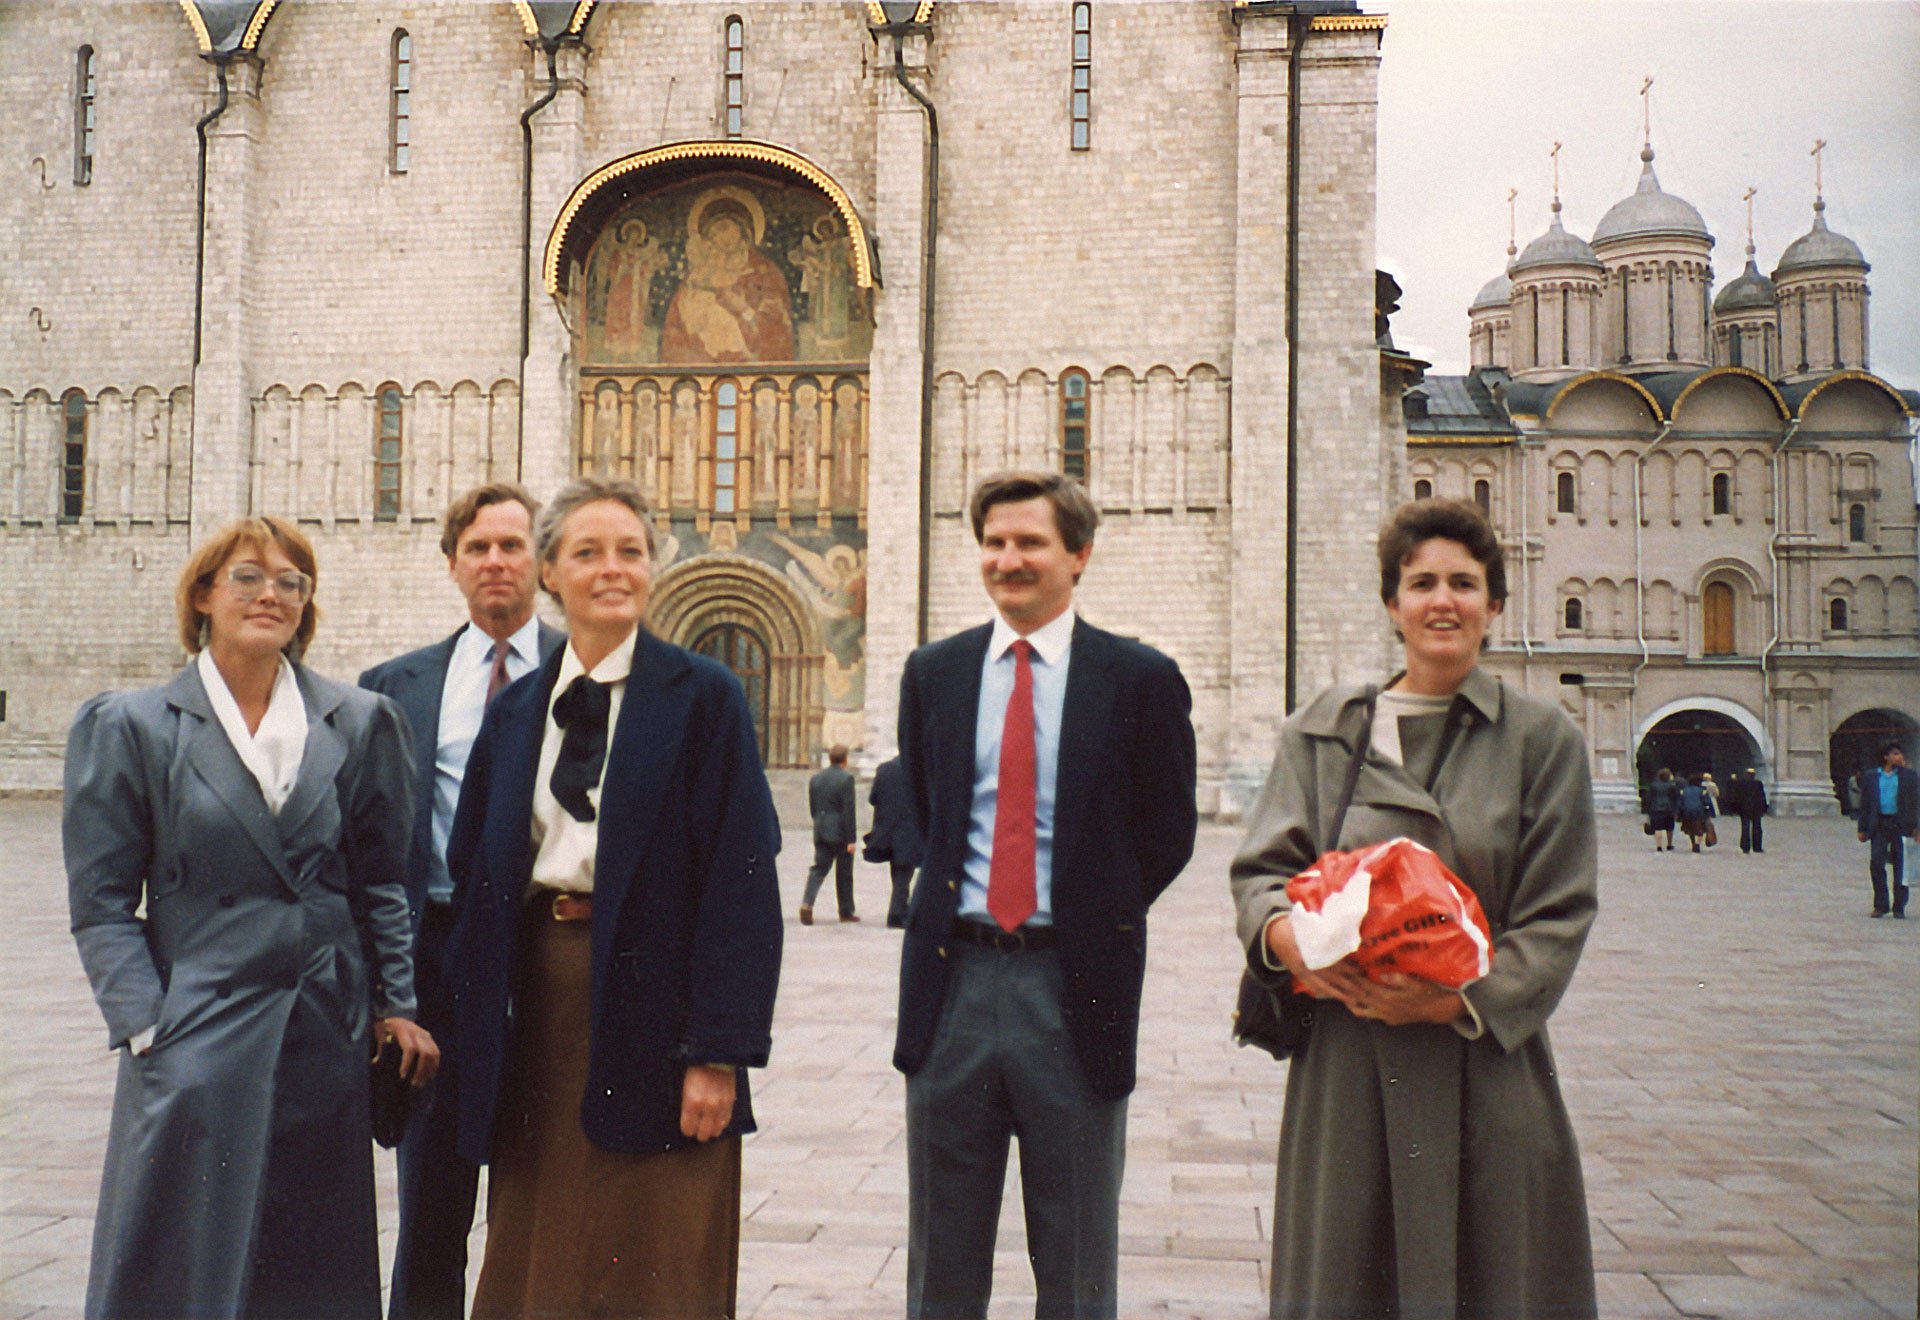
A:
(895, 835)
(686, 903)
(1123, 826)
(830, 803)
(416, 681)
(1906, 816)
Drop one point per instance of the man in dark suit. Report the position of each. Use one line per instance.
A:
(444, 689)
(1052, 772)
(895, 837)
(830, 803)
(1889, 815)
(1750, 802)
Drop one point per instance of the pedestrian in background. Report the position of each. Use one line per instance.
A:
(236, 849)
(1427, 1166)
(1713, 794)
(894, 838)
(1663, 804)
(830, 803)
(1696, 813)
(1889, 815)
(1750, 802)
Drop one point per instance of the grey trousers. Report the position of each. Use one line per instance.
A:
(1002, 1066)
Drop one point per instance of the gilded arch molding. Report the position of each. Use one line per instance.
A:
(602, 191)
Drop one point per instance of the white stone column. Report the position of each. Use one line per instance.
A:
(550, 411)
(893, 436)
(222, 382)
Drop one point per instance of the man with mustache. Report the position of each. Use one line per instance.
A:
(1052, 771)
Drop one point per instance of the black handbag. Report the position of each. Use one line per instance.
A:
(1268, 1014)
(391, 1097)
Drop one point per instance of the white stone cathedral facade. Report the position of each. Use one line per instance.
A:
(804, 271)
(1708, 499)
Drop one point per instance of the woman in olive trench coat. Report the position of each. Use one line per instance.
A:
(1424, 1169)
(240, 957)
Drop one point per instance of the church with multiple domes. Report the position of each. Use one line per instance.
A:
(1707, 499)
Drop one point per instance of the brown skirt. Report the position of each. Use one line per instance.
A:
(576, 1231)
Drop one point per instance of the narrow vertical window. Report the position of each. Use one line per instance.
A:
(84, 88)
(1834, 304)
(1082, 76)
(386, 455)
(1423, 489)
(400, 129)
(73, 458)
(1566, 326)
(1626, 319)
(736, 76)
(1857, 524)
(1575, 614)
(1483, 496)
(1564, 493)
(1533, 353)
(1837, 615)
(1733, 347)
(726, 445)
(1073, 425)
(1722, 494)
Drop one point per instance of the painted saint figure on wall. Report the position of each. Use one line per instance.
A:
(733, 305)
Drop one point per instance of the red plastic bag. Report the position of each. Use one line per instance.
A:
(1395, 907)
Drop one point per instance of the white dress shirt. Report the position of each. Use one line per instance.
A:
(1052, 651)
(564, 848)
(463, 701)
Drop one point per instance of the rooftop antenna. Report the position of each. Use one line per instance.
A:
(1748, 197)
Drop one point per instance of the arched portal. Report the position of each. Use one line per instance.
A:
(1855, 745)
(747, 617)
(1696, 738)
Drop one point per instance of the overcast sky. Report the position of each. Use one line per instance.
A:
(1474, 93)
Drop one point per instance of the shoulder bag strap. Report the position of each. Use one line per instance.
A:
(1361, 743)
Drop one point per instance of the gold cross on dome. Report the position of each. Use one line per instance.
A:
(1819, 146)
(1646, 110)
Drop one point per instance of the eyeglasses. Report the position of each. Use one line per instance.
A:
(248, 581)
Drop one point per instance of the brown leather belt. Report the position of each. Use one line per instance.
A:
(561, 905)
(1018, 940)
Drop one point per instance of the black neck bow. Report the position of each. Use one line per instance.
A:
(582, 713)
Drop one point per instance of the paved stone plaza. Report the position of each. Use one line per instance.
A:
(1741, 1058)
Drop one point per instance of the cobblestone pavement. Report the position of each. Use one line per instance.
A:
(1740, 1053)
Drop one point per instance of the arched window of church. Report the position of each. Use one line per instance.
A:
(1082, 76)
(1423, 489)
(1564, 493)
(1574, 614)
(73, 457)
(736, 76)
(1722, 494)
(1533, 354)
(1566, 325)
(400, 126)
(726, 446)
(1834, 296)
(1483, 496)
(1733, 346)
(387, 450)
(1837, 615)
(85, 86)
(1857, 524)
(1073, 424)
(1716, 619)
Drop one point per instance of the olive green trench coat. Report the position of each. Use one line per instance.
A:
(1431, 1170)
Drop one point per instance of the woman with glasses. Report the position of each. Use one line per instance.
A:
(616, 950)
(234, 846)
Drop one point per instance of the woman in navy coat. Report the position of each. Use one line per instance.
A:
(235, 844)
(617, 947)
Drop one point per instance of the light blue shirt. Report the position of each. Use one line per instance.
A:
(1889, 794)
(1052, 652)
(462, 702)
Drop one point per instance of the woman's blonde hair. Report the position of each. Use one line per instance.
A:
(249, 534)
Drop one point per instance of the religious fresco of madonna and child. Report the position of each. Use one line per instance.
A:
(724, 269)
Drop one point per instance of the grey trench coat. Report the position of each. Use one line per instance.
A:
(1431, 1170)
(239, 1170)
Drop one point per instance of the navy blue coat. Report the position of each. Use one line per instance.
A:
(1906, 814)
(417, 681)
(686, 904)
(895, 836)
(1123, 827)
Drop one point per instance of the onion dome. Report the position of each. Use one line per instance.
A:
(1820, 246)
(1650, 211)
(1496, 292)
(1556, 247)
(1750, 291)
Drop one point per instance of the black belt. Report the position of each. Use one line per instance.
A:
(1017, 940)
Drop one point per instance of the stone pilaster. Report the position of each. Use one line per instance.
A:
(222, 384)
(893, 435)
(551, 413)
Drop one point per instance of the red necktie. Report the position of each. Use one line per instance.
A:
(498, 678)
(1011, 897)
